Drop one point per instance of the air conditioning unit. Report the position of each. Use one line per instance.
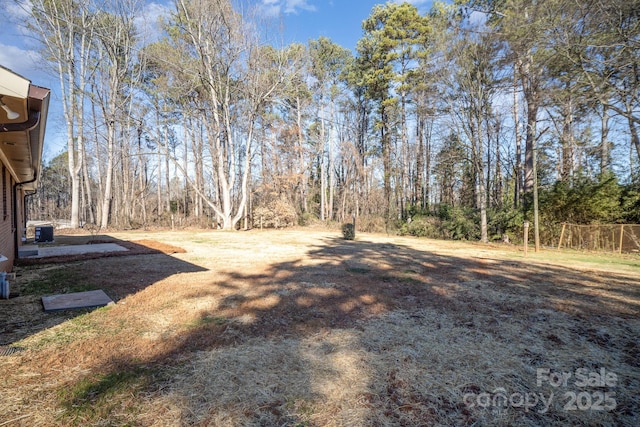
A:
(44, 234)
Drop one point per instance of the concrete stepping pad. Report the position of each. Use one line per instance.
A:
(89, 299)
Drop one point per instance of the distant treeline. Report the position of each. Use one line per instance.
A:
(440, 123)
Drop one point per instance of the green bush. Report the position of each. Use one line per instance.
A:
(348, 231)
(506, 221)
(422, 226)
(450, 222)
(307, 218)
(630, 203)
(584, 200)
(459, 223)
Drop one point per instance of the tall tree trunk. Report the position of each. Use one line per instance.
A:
(302, 180)
(518, 164)
(185, 164)
(404, 167)
(605, 156)
(478, 163)
(323, 172)
(419, 183)
(199, 166)
(159, 178)
(142, 179)
(108, 181)
(633, 130)
(87, 182)
(488, 171)
(386, 164)
(167, 175)
(426, 193)
(246, 173)
(529, 80)
(566, 141)
(77, 168)
(498, 185)
(332, 174)
(530, 143)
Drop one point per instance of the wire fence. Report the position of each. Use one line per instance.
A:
(616, 238)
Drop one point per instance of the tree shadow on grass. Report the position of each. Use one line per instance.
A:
(146, 262)
(363, 333)
(350, 286)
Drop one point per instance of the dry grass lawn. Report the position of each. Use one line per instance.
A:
(303, 328)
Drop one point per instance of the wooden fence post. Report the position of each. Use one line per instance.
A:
(621, 237)
(526, 237)
(564, 225)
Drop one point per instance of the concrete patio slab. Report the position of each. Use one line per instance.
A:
(52, 251)
(89, 299)
(26, 251)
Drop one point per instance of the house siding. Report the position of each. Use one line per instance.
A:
(7, 228)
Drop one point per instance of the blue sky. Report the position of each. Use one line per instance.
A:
(299, 20)
(339, 20)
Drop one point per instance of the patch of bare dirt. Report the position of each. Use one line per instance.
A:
(153, 247)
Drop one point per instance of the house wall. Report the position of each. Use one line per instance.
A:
(21, 216)
(7, 227)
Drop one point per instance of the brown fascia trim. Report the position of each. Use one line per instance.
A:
(38, 93)
(36, 99)
(34, 118)
(39, 97)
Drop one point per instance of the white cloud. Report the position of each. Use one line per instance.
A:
(270, 10)
(292, 6)
(148, 20)
(16, 15)
(19, 60)
(18, 11)
(277, 7)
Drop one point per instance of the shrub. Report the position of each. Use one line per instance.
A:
(465, 225)
(422, 226)
(348, 231)
(371, 224)
(584, 200)
(506, 221)
(630, 202)
(306, 219)
(459, 223)
(277, 213)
